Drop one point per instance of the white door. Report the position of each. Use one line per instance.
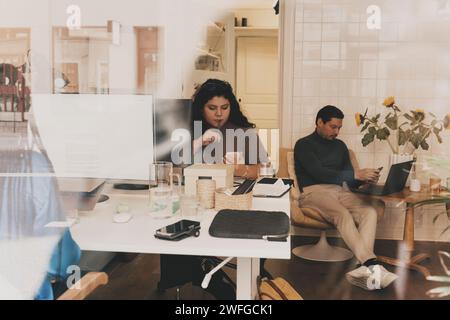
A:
(257, 79)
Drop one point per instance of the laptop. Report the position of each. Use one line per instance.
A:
(395, 182)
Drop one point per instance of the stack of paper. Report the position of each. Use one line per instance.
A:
(276, 189)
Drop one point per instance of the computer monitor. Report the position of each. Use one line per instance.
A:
(170, 115)
(96, 136)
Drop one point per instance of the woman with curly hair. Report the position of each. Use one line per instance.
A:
(225, 133)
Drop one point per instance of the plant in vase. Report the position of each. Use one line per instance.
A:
(401, 129)
(410, 130)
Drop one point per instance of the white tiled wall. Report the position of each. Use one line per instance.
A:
(339, 61)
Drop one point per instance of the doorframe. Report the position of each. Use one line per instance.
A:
(286, 70)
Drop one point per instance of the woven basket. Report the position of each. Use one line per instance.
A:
(233, 202)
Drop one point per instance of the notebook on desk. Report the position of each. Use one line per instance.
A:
(272, 187)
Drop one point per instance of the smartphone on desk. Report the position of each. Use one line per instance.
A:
(179, 230)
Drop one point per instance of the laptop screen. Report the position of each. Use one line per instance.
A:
(398, 175)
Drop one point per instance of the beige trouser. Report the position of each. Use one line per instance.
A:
(346, 211)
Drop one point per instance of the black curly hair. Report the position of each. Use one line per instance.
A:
(218, 88)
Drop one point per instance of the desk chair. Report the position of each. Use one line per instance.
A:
(176, 271)
(88, 283)
(310, 218)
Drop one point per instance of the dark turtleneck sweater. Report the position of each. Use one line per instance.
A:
(322, 161)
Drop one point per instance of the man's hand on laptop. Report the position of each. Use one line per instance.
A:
(367, 175)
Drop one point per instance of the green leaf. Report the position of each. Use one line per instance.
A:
(365, 113)
(407, 116)
(403, 137)
(422, 130)
(367, 139)
(383, 134)
(372, 130)
(432, 114)
(436, 132)
(424, 145)
(415, 140)
(366, 125)
(392, 122)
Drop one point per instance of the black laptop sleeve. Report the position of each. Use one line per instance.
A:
(245, 224)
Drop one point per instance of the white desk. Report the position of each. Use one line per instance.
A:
(97, 232)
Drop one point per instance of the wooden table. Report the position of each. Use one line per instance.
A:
(413, 200)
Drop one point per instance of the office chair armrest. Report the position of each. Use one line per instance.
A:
(86, 285)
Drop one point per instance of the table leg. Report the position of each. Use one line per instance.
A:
(406, 261)
(408, 232)
(247, 272)
(447, 206)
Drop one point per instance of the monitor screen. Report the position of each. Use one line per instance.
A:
(96, 136)
(170, 115)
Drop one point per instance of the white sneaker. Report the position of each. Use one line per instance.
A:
(371, 278)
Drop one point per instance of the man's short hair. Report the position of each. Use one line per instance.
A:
(328, 112)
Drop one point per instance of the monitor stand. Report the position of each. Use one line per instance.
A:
(130, 186)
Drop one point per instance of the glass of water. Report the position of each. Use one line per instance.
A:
(161, 189)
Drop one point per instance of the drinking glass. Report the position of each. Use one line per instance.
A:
(161, 189)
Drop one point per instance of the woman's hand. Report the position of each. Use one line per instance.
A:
(207, 138)
(234, 158)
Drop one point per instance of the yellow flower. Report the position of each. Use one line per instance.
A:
(419, 114)
(447, 122)
(359, 118)
(389, 101)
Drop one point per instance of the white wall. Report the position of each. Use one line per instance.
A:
(180, 21)
(339, 61)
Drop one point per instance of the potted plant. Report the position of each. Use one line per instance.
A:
(409, 130)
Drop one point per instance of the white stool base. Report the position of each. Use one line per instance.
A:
(322, 251)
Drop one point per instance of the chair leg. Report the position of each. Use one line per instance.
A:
(322, 251)
(178, 294)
